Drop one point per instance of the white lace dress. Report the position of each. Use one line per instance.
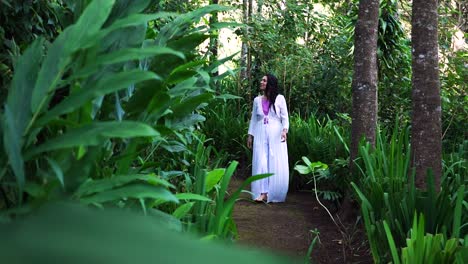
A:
(270, 155)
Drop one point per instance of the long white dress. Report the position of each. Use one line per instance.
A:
(270, 155)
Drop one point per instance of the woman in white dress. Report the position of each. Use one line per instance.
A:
(268, 130)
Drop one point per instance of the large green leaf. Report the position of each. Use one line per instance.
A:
(88, 25)
(137, 191)
(189, 105)
(391, 243)
(183, 87)
(143, 95)
(185, 122)
(60, 52)
(127, 22)
(188, 42)
(6, 3)
(80, 235)
(364, 201)
(180, 25)
(135, 20)
(212, 178)
(183, 210)
(135, 54)
(159, 106)
(302, 169)
(20, 92)
(109, 84)
(57, 170)
(12, 144)
(123, 8)
(185, 43)
(184, 71)
(95, 186)
(174, 146)
(94, 134)
(124, 55)
(192, 196)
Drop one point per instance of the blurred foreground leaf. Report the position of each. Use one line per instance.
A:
(73, 234)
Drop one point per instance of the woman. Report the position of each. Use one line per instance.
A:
(268, 130)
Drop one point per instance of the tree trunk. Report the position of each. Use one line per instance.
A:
(426, 132)
(364, 86)
(245, 48)
(249, 51)
(463, 15)
(214, 39)
(259, 6)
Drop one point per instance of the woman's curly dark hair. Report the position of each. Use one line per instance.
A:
(271, 90)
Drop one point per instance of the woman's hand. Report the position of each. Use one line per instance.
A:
(284, 135)
(249, 141)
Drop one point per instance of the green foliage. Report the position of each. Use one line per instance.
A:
(106, 115)
(388, 164)
(179, 6)
(455, 167)
(80, 235)
(34, 83)
(427, 248)
(227, 126)
(454, 99)
(320, 140)
(453, 74)
(215, 219)
(309, 50)
(319, 172)
(394, 58)
(387, 194)
(301, 47)
(20, 24)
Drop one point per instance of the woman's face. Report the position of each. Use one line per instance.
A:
(263, 83)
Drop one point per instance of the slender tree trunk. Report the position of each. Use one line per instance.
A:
(259, 6)
(364, 86)
(463, 15)
(214, 39)
(245, 48)
(249, 51)
(307, 32)
(426, 132)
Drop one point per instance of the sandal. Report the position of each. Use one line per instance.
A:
(261, 198)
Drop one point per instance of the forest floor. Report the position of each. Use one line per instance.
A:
(285, 228)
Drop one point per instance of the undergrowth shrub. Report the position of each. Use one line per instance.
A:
(390, 201)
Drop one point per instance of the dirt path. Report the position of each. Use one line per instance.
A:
(285, 228)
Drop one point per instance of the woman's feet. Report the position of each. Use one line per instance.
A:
(262, 198)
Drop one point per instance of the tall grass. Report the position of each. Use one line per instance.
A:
(455, 166)
(387, 194)
(425, 248)
(227, 124)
